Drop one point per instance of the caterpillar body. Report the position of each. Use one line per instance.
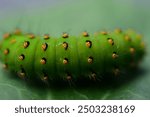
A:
(70, 57)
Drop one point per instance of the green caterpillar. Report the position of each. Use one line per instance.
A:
(71, 57)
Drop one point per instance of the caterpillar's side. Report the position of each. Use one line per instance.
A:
(88, 56)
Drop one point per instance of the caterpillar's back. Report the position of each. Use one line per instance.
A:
(71, 57)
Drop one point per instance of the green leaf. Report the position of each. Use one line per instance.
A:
(75, 17)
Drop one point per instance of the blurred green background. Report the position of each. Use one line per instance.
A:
(74, 17)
